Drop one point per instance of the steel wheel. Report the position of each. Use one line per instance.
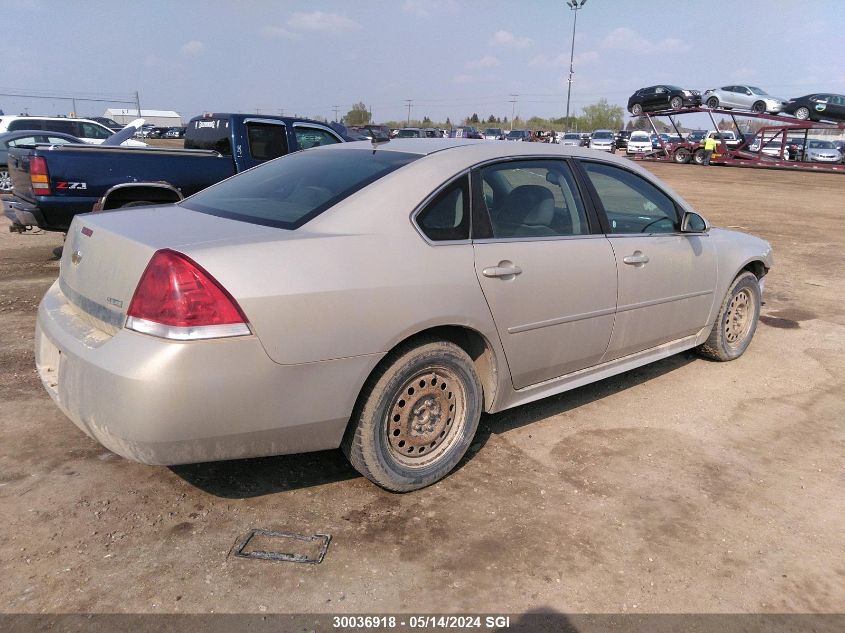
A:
(802, 113)
(636, 109)
(5, 180)
(759, 107)
(713, 102)
(738, 320)
(676, 103)
(427, 414)
(682, 155)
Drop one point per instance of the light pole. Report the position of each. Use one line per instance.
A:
(574, 5)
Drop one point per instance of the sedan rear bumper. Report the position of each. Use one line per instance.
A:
(163, 402)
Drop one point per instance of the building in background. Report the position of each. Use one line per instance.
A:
(159, 118)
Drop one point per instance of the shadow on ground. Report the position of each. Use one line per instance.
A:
(245, 478)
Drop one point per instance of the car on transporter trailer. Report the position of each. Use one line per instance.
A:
(358, 295)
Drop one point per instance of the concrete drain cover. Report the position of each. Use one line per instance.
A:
(283, 546)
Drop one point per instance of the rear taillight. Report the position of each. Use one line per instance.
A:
(177, 299)
(39, 176)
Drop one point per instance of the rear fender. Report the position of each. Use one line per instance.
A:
(125, 193)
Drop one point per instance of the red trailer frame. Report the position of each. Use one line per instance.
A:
(742, 155)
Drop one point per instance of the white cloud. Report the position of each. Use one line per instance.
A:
(429, 8)
(320, 21)
(508, 39)
(278, 31)
(487, 61)
(194, 47)
(626, 39)
(462, 79)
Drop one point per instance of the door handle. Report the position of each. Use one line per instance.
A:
(637, 259)
(504, 269)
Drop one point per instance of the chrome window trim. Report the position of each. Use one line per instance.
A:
(267, 121)
(540, 238)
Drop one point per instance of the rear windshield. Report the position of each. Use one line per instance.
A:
(210, 134)
(602, 135)
(288, 192)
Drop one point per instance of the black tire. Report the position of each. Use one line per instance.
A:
(802, 113)
(137, 203)
(698, 157)
(5, 180)
(636, 109)
(759, 107)
(416, 416)
(676, 103)
(713, 102)
(736, 322)
(682, 156)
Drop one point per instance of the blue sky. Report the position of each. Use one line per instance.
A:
(450, 57)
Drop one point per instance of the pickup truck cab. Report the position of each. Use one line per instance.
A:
(53, 183)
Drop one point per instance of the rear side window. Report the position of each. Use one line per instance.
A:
(267, 140)
(210, 134)
(446, 217)
(27, 124)
(632, 204)
(65, 127)
(288, 192)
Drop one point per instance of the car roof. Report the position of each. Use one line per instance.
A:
(22, 133)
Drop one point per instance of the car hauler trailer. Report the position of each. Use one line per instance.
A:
(772, 145)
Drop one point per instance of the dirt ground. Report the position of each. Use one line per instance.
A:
(684, 486)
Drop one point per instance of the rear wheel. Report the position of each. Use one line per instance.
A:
(416, 416)
(713, 102)
(759, 107)
(802, 113)
(682, 155)
(636, 109)
(736, 322)
(698, 157)
(5, 180)
(676, 103)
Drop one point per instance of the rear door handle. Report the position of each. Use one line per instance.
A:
(637, 259)
(504, 269)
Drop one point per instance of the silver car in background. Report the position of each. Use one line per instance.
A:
(603, 140)
(744, 97)
(570, 139)
(380, 298)
(822, 152)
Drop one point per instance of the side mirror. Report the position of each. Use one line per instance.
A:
(694, 223)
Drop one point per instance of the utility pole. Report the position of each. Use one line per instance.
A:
(138, 103)
(336, 110)
(74, 107)
(408, 123)
(574, 5)
(513, 108)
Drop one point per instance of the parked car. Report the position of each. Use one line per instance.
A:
(85, 129)
(744, 97)
(232, 325)
(663, 97)
(175, 132)
(822, 152)
(816, 107)
(638, 143)
(570, 139)
(727, 137)
(113, 125)
(603, 140)
(157, 132)
(696, 136)
(465, 131)
(622, 137)
(51, 185)
(518, 135)
(494, 134)
(29, 138)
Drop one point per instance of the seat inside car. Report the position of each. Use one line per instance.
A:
(527, 211)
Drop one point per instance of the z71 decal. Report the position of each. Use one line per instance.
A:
(71, 185)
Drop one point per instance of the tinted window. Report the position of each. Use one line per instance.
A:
(447, 216)
(288, 192)
(65, 127)
(26, 124)
(266, 140)
(89, 130)
(308, 137)
(533, 199)
(210, 134)
(632, 204)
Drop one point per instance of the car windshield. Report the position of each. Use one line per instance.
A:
(516, 134)
(574, 137)
(493, 131)
(288, 192)
(821, 145)
(639, 137)
(674, 88)
(603, 135)
(757, 91)
(408, 133)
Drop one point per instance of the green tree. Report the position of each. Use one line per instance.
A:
(358, 115)
(426, 122)
(603, 116)
(474, 118)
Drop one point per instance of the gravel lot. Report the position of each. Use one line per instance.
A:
(684, 486)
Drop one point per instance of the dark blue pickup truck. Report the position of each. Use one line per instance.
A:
(52, 183)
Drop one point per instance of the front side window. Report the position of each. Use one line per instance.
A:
(90, 130)
(537, 198)
(288, 192)
(308, 137)
(631, 203)
(266, 140)
(446, 217)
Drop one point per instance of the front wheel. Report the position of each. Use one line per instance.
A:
(682, 156)
(802, 113)
(636, 109)
(698, 157)
(759, 107)
(416, 416)
(5, 179)
(736, 322)
(713, 102)
(676, 103)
